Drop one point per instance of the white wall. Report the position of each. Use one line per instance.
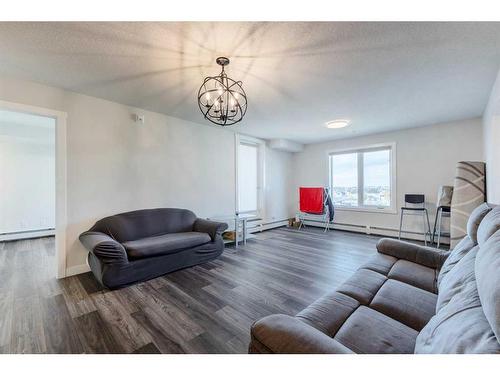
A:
(279, 185)
(115, 165)
(27, 187)
(425, 159)
(491, 133)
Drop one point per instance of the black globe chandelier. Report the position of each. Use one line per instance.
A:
(221, 99)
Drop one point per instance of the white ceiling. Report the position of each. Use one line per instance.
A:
(381, 76)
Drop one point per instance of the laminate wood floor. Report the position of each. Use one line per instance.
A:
(204, 309)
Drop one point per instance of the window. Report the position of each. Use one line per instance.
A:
(363, 178)
(249, 175)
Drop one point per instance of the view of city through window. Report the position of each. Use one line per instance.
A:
(375, 172)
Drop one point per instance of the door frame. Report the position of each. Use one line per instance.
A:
(60, 175)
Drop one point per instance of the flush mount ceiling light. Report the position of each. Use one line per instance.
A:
(221, 99)
(337, 124)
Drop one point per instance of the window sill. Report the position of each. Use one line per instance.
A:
(386, 210)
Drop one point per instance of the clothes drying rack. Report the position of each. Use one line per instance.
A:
(317, 202)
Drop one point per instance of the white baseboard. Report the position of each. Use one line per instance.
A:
(75, 270)
(27, 235)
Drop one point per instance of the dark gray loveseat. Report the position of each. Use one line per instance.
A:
(406, 299)
(140, 245)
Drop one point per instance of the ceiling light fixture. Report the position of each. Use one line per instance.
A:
(221, 99)
(337, 124)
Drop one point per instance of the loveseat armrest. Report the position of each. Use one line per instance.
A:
(288, 335)
(213, 228)
(424, 255)
(108, 250)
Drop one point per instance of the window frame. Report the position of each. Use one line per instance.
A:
(261, 172)
(391, 146)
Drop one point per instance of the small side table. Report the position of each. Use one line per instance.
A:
(239, 220)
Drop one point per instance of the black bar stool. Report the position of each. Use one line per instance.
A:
(417, 202)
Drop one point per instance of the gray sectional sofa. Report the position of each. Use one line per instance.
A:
(406, 299)
(140, 245)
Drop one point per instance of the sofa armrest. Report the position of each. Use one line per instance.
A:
(288, 335)
(108, 250)
(213, 228)
(424, 255)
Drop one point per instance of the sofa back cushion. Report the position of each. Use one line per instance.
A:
(467, 243)
(487, 269)
(456, 280)
(489, 225)
(475, 219)
(463, 247)
(460, 325)
(133, 225)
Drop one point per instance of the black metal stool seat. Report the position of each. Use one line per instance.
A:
(416, 199)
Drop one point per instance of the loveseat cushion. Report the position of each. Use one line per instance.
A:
(368, 331)
(487, 271)
(405, 303)
(134, 225)
(163, 244)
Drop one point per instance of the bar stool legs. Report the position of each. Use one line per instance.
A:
(438, 223)
(400, 223)
(439, 228)
(428, 231)
(425, 218)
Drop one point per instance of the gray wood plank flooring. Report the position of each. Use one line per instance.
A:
(204, 309)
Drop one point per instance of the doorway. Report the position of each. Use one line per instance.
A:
(33, 178)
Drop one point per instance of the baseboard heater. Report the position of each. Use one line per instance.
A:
(263, 226)
(369, 229)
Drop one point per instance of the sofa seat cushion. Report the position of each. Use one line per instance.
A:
(407, 304)
(380, 263)
(414, 274)
(369, 331)
(328, 313)
(285, 334)
(363, 285)
(163, 244)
